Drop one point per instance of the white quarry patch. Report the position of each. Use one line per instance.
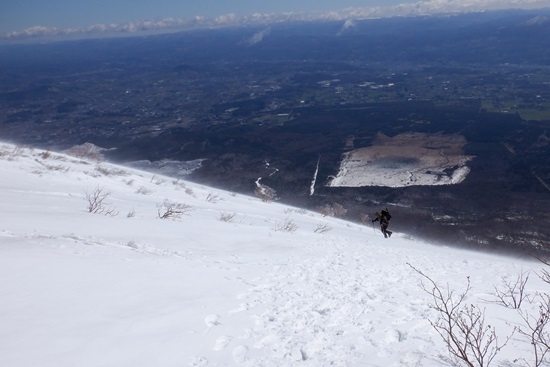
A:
(410, 159)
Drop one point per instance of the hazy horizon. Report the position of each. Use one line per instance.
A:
(32, 18)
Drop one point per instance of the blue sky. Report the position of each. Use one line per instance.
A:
(16, 15)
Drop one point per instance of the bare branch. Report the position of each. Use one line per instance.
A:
(227, 217)
(462, 327)
(322, 228)
(287, 226)
(536, 329)
(514, 292)
(545, 276)
(212, 198)
(170, 209)
(96, 199)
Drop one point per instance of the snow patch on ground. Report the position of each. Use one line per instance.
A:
(405, 160)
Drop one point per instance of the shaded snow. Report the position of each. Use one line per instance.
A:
(81, 289)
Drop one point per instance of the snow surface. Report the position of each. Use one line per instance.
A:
(82, 289)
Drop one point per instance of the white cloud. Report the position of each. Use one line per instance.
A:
(449, 6)
(348, 24)
(258, 37)
(348, 15)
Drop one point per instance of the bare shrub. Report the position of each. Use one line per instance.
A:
(97, 204)
(227, 217)
(513, 293)
(130, 182)
(45, 155)
(322, 228)
(63, 158)
(287, 226)
(94, 174)
(296, 210)
(462, 327)
(537, 330)
(189, 191)
(178, 184)
(144, 190)
(131, 213)
(17, 152)
(4, 152)
(96, 199)
(53, 167)
(110, 211)
(545, 274)
(170, 209)
(111, 171)
(57, 167)
(212, 198)
(156, 181)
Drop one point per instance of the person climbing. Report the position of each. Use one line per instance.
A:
(384, 218)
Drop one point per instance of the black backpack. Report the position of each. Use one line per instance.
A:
(386, 213)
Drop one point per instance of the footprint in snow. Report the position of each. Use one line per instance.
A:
(242, 307)
(247, 334)
(394, 336)
(212, 320)
(266, 341)
(222, 342)
(240, 354)
(198, 361)
(7, 234)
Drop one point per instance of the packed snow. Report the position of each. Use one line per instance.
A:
(227, 280)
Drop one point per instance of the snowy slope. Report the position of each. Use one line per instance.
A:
(82, 289)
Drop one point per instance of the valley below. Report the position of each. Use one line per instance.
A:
(453, 140)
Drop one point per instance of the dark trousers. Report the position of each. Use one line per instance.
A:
(384, 229)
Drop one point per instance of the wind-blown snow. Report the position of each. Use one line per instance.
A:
(81, 289)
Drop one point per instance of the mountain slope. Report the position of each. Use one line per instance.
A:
(233, 282)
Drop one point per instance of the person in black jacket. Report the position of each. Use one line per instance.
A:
(384, 218)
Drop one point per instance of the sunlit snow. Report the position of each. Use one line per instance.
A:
(228, 283)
